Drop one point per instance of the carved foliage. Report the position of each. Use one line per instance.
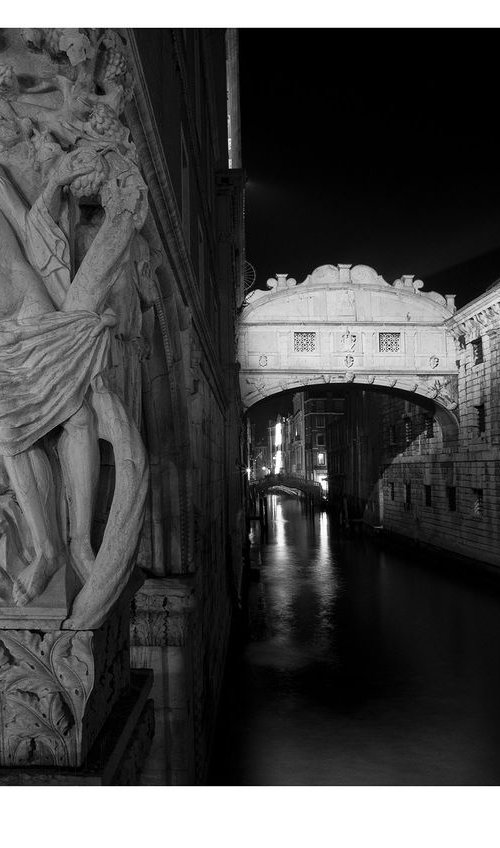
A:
(45, 683)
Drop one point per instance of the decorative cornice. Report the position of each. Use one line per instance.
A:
(478, 317)
(353, 277)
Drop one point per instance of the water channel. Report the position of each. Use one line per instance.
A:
(363, 665)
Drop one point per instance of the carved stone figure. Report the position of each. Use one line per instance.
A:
(75, 279)
(348, 340)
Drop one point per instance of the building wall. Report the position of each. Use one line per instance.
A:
(193, 541)
(422, 474)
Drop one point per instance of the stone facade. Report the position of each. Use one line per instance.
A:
(345, 324)
(193, 541)
(303, 434)
(397, 463)
(417, 448)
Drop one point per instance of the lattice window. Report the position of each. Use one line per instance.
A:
(389, 342)
(304, 342)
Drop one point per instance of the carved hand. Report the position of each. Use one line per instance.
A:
(69, 168)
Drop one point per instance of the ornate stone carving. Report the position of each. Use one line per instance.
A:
(46, 680)
(408, 282)
(75, 278)
(348, 340)
(161, 612)
(57, 689)
(443, 389)
(281, 281)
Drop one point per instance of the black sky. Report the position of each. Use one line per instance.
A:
(378, 147)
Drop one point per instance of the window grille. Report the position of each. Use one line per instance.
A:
(451, 491)
(304, 342)
(408, 430)
(477, 351)
(389, 342)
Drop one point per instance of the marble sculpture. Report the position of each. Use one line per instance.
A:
(75, 285)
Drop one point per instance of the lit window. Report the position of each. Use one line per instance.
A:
(389, 342)
(321, 459)
(304, 342)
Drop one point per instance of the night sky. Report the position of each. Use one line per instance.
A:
(378, 147)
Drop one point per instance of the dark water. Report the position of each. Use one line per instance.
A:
(362, 667)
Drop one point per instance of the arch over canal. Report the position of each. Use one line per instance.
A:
(347, 325)
(286, 483)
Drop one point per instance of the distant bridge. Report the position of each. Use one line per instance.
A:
(289, 484)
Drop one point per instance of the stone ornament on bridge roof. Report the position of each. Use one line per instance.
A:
(350, 276)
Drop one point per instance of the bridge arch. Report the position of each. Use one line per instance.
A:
(346, 325)
(287, 482)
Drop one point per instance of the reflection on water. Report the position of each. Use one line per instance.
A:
(362, 667)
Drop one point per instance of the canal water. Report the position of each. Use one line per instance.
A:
(361, 666)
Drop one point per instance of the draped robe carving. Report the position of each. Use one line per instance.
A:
(73, 274)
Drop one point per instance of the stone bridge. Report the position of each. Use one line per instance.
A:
(287, 483)
(345, 325)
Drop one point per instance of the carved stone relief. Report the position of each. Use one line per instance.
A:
(57, 689)
(75, 280)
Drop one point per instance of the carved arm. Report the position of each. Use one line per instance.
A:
(101, 265)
